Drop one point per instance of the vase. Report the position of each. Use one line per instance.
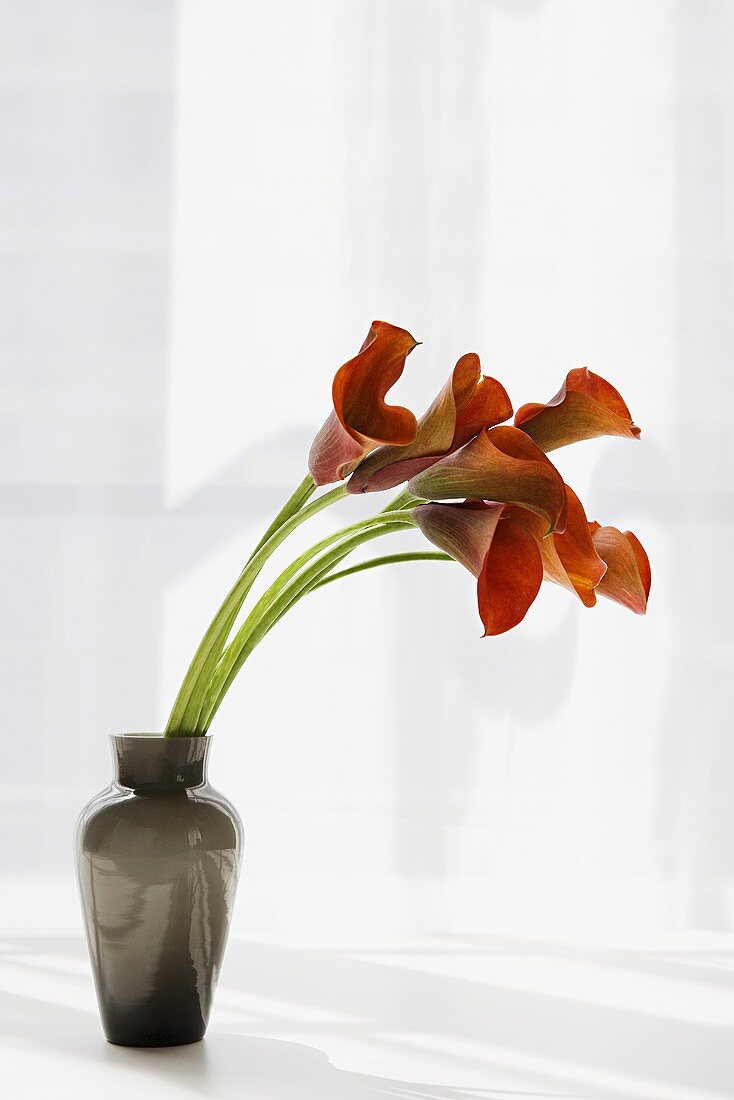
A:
(157, 857)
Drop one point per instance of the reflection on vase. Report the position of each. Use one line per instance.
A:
(158, 855)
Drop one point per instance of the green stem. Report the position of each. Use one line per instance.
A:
(294, 504)
(403, 502)
(276, 600)
(404, 499)
(387, 559)
(184, 718)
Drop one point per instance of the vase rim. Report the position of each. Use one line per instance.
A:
(161, 736)
(152, 761)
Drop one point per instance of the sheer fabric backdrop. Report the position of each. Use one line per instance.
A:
(206, 203)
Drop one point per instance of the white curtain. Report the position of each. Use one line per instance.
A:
(206, 204)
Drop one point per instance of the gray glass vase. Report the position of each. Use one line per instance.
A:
(157, 857)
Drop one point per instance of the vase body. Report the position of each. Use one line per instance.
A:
(157, 857)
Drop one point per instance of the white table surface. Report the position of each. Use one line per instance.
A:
(427, 1019)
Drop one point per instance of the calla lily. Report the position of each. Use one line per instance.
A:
(361, 419)
(501, 465)
(586, 406)
(570, 558)
(502, 554)
(627, 579)
(467, 403)
(505, 547)
(491, 499)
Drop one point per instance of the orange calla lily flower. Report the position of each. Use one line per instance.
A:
(570, 558)
(502, 554)
(361, 419)
(505, 547)
(467, 403)
(627, 579)
(502, 465)
(586, 406)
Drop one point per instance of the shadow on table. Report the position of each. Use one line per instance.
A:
(222, 1065)
(518, 1043)
(272, 1069)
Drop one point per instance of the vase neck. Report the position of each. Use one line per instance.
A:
(151, 763)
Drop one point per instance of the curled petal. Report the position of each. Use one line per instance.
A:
(510, 579)
(586, 406)
(488, 404)
(467, 403)
(465, 530)
(361, 384)
(569, 557)
(502, 465)
(502, 555)
(627, 579)
(361, 419)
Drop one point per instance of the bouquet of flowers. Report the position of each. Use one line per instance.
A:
(482, 491)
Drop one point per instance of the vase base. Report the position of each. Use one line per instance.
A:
(147, 1044)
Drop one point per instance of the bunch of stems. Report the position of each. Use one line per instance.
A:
(225, 647)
